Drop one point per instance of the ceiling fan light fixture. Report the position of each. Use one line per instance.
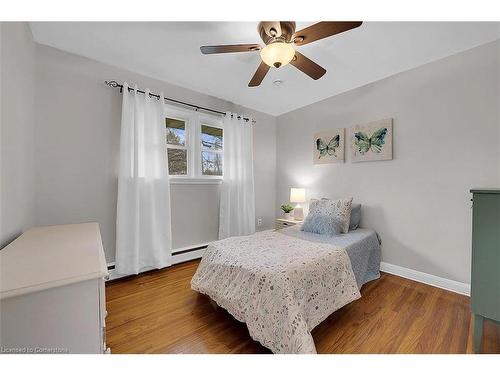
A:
(277, 54)
(280, 39)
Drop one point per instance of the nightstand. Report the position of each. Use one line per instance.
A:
(281, 223)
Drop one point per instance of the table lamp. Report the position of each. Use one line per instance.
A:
(298, 195)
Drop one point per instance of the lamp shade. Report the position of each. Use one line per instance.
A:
(277, 54)
(297, 195)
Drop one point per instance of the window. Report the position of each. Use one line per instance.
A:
(211, 150)
(177, 147)
(195, 145)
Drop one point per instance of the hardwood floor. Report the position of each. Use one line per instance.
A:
(157, 312)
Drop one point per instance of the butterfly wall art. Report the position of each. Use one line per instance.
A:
(372, 141)
(329, 147)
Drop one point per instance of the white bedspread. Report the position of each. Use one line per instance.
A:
(280, 286)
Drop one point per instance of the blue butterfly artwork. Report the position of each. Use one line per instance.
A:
(372, 141)
(325, 149)
(364, 143)
(329, 146)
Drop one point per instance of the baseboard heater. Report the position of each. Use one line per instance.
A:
(184, 251)
(181, 255)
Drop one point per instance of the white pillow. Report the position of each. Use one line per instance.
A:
(340, 209)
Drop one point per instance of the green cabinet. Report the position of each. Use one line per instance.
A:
(485, 270)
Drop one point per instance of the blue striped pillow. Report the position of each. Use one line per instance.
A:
(322, 224)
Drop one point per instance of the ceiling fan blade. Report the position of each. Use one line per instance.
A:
(207, 50)
(259, 75)
(307, 66)
(322, 30)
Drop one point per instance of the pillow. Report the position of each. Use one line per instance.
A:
(321, 224)
(339, 209)
(313, 203)
(355, 216)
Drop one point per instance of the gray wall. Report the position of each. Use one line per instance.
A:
(77, 142)
(17, 130)
(446, 140)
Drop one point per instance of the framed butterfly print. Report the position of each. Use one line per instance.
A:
(329, 147)
(372, 141)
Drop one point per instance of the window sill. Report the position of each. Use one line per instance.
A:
(195, 181)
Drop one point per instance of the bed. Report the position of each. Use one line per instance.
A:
(284, 283)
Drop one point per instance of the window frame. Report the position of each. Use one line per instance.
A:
(176, 114)
(213, 122)
(193, 121)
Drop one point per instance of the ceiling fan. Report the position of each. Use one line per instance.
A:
(280, 39)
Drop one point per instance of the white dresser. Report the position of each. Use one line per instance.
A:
(52, 291)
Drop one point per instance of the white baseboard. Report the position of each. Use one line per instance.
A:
(176, 259)
(439, 282)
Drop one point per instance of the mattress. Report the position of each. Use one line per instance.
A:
(362, 246)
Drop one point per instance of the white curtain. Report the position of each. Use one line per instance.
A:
(143, 227)
(237, 201)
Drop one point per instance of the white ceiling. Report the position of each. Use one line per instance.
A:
(169, 51)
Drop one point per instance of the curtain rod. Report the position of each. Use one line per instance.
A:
(114, 84)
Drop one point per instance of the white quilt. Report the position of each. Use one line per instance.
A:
(280, 286)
